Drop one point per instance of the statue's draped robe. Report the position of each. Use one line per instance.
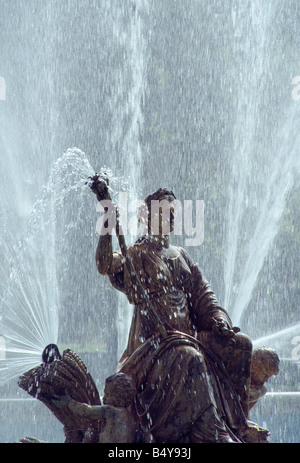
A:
(177, 378)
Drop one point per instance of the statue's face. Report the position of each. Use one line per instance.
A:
(162, 222)
(120, 398)
(263, 373)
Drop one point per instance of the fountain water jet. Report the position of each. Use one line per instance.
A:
(128, 119)
(31, 301)
(278, 181)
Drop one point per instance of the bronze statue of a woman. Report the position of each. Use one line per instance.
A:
(187, 374)
(192, 379)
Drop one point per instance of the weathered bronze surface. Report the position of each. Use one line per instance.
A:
(63, 377)
(190, 367)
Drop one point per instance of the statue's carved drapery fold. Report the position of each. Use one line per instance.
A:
(178, 378)
(180, 295)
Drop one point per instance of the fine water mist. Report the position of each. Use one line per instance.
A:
(193, 96)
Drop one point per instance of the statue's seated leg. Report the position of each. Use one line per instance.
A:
(236, 355)
(184, 405)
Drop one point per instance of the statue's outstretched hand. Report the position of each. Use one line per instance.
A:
(99, 186)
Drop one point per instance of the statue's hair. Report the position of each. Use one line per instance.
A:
(121, 389)
(157, 195)
(266, 355)
(145, 209)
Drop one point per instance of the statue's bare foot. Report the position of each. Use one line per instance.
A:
(255, 434)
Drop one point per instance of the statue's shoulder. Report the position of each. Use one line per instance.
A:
(185, 255)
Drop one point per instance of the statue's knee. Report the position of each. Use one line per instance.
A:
(190, 356)
(243, 342)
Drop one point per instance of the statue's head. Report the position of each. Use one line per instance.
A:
(265, 363)
(119, 390)
(157, 212)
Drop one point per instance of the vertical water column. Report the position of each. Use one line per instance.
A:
(250, 46)
(265, 156)
(2, 88)
(136, 49)
(286, 165)
(127, 117)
